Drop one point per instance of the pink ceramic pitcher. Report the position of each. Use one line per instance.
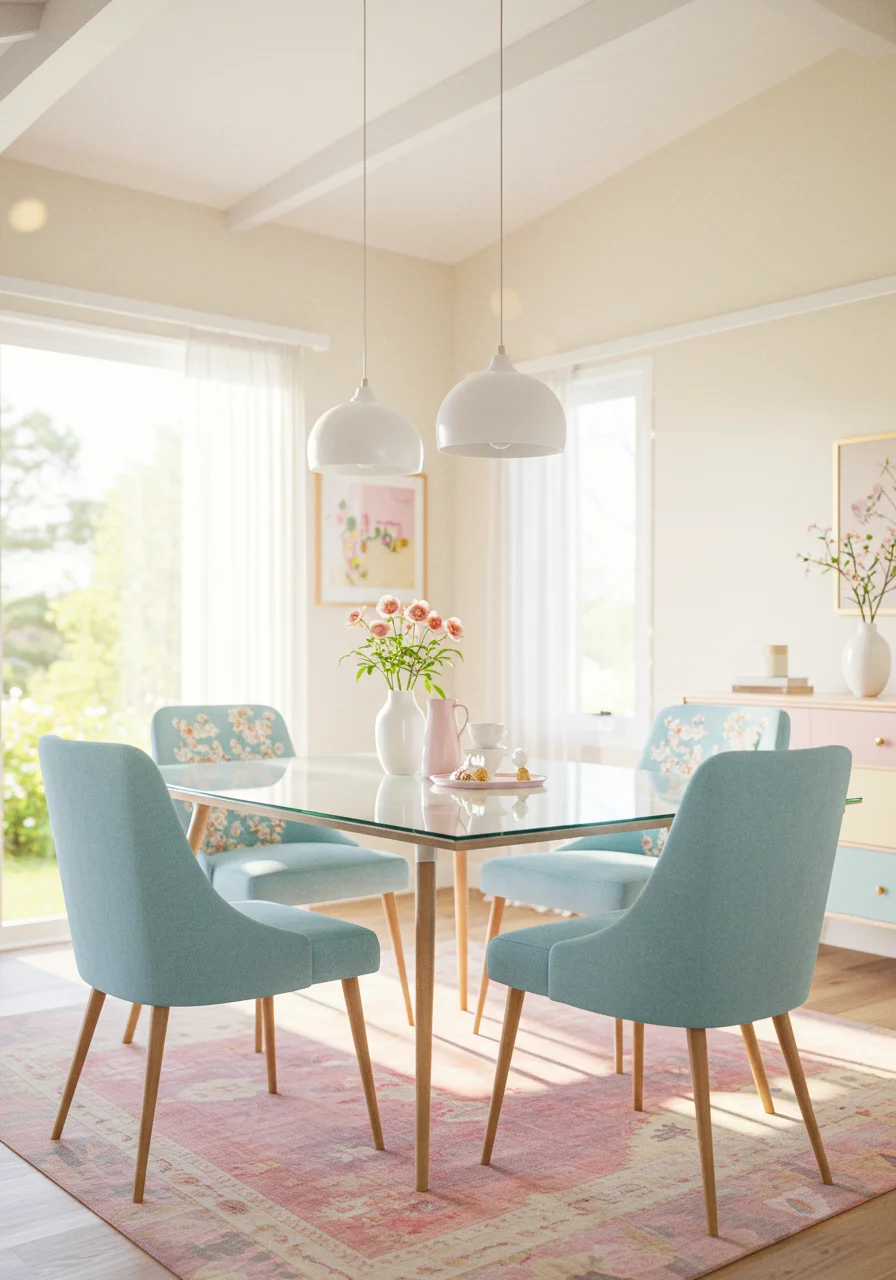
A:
(441, 741)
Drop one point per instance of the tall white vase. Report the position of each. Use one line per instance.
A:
(399, 733)
(866, 661)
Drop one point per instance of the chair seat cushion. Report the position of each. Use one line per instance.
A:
(301, 873)
(338, 949)
(587, 881)
(520, 958)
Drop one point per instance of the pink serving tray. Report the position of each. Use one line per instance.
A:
(497, 782)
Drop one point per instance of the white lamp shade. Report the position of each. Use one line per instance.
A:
(364, 437)
(501, 413)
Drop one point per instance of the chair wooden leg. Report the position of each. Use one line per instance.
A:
(748, 1031)
(352, 992)
(133, 1019)
(638, 1066)
(617, 1044)
(494, 928)
(460, 922)
(797, 1078)
(390, 907)
(512, 1013)
(270, 1041)
(157, 1027)
(88, 1026)
(700, 1078)
(259, 1028)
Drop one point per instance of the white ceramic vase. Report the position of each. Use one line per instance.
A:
(399, 733)
(399, 801)
(866, 661)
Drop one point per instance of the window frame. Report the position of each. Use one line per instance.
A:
(590, 385)
(72, 337)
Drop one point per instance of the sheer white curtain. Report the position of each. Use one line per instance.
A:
(244, 527)
(532, 590)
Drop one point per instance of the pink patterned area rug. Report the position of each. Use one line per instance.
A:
(245, 1186)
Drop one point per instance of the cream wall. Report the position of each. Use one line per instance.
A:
(114, 240)
(788, 194)
(791, 193)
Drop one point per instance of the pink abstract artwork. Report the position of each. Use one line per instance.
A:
(370, 537)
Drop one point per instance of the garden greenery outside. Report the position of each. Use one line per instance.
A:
(90, 615)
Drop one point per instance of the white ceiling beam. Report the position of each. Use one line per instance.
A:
(597, 27)
(74, 37)
(19, 21)
(864, 27)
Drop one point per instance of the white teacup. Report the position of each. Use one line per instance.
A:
(491, 757)
(487, 733)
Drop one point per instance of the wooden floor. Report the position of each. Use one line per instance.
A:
(47, 1235)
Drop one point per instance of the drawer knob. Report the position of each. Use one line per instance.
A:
(878, 742)
(880, 890)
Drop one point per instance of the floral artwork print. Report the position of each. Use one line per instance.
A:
(859, 552)
(251, 738)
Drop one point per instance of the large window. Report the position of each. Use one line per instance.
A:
(91, 578)
(609, 456)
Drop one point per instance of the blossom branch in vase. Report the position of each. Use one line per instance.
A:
(868, 572)
(865, 564)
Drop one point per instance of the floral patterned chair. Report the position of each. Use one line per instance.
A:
(312, 864)
(598, 874)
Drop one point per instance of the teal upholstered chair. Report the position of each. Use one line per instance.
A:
(312, 864)
(725, 931)
(606, 873)
(149, 928)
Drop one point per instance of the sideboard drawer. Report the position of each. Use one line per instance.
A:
(859, 876)
(870, 735)
(874, 820)
(800, 726)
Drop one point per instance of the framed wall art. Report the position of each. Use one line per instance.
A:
(371, 538)
(860, 464)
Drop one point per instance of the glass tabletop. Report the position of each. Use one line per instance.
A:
(353, 791)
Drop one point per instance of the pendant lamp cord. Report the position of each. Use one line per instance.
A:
(500, 175)
(364, 192)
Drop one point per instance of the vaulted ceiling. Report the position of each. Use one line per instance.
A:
(254, 108)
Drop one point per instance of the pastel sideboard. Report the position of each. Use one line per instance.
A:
(862, 901)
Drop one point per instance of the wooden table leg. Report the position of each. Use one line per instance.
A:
(198, 823)
(460, 922)
(425, 985)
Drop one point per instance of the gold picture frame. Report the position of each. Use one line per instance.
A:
(857, 462)
(411, 577)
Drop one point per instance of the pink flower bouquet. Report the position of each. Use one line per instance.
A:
(406, 643)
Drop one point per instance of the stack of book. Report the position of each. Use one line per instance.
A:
(772, 684)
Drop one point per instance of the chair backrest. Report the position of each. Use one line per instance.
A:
(726, 929)
(683, 736)
(146, 924)
(199, 734)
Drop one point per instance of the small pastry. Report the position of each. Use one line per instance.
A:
(522, 774)
(463, 775)
(480, 774)
(519, 758)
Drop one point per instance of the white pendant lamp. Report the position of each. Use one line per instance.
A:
(501, 413)
(364, 437)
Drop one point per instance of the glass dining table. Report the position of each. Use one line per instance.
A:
(351, 794)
